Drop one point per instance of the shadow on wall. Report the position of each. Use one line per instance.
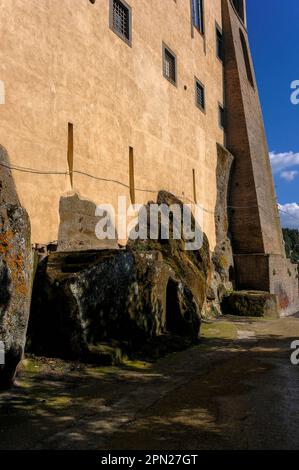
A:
(15, 272)
(77, 226)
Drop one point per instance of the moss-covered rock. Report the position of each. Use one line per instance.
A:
(152, 288)
(250, 304)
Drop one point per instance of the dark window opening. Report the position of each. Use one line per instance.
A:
(246, 59)
(197, 15)
(222, 117)
(200, 95)
(239, 6)
(169, 65)
(219, 44)
(121, 19)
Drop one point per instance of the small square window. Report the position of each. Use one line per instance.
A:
(169, 65)
(121, 19)
(221, 116)
(200, 95)
(219, 44)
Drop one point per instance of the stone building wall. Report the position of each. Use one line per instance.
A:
(255, 223)
(259, 257)
(61, 63)
(78, 97)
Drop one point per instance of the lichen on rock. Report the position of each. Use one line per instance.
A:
(250, 304)
(15, 273)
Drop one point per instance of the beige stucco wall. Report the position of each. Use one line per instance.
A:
(61, 63)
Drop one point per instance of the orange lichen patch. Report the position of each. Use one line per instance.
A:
(14, 262)
(18, 276)
(5, 241)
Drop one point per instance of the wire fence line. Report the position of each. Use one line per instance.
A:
(127, 186)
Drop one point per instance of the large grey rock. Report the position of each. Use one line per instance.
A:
(150, 289)
(15, 273)
(250, 304)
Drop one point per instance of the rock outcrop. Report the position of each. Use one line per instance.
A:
(222, 272)
(251, 304)
(15, 273)
(149, 289)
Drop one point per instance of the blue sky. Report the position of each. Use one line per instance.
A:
(273, 28)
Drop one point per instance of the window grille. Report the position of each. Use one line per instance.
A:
(121, 19)
(169, 65)
(200, 95)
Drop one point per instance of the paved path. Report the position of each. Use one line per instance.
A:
(237, 389)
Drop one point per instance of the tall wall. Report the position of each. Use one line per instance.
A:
(259, 256)
(61, 63)
(255, 223)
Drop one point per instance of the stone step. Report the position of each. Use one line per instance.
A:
(251, 304)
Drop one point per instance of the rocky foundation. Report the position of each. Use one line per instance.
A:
(150, 289)
(251, 304)
(15, 273)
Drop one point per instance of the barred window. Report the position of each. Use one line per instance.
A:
(121, 19)
(200, 95)
(169, 65)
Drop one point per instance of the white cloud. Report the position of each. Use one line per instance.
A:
(289, 214)
(289, 175)
(283, 161)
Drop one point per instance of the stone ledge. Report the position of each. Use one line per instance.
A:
(251, 304)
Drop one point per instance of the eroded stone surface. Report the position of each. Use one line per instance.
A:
(222, 274)
(153, 287)
(15, 273)
(251, 304)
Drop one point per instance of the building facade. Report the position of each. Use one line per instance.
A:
(108, 98)
(67, 70)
